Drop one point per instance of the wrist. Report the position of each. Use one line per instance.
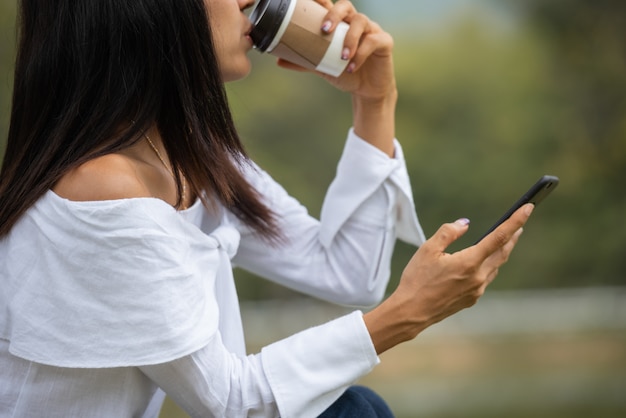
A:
(392, 323)
(379, 105)
(374, 119)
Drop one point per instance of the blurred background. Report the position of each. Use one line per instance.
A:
(493, 94)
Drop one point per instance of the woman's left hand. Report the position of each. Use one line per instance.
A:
(370, 72)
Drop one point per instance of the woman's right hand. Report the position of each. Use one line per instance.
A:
(436, 284)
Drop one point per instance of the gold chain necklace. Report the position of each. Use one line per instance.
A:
(183, 194)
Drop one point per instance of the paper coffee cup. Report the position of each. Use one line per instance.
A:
(291, 29)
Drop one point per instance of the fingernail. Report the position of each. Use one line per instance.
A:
(529, 209)
(326, 26)
(462, 221)
(351, 67)
(345, 54)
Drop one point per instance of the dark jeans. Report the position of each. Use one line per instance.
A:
(358, 402)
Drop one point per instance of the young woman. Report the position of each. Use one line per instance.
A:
(125, 197)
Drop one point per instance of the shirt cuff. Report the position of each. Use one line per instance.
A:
(310, 370)
(361, 171)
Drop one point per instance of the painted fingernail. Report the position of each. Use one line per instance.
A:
(351, 67)
(462, 221)
(326, 26)
(345, 54)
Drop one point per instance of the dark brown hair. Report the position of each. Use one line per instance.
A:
(85, 68)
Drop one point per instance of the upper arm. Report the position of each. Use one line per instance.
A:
(109, 177)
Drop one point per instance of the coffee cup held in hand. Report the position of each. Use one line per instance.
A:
(291, 30)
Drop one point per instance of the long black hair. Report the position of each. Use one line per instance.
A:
(85, 68)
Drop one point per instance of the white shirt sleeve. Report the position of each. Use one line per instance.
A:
(298, 377)
(345, 256)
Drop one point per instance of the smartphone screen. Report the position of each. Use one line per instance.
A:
(539, 191)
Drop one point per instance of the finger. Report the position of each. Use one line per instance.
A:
(447, 234)
(326, 3)
(504, 233)
(491, 275)
(360, 27)
(343, 10)
(378, 43)
(500, 257)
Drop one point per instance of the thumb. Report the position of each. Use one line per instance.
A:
(448, 233)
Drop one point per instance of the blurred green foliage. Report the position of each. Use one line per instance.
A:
(485, 109)
(7, 59)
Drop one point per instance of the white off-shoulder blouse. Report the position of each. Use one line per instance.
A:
(107, 305)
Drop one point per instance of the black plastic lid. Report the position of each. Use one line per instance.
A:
(267, 17)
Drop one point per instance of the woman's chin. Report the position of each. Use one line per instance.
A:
(238, 72)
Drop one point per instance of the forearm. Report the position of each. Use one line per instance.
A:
(374, 120)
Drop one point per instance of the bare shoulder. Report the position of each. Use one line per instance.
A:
(110, 177)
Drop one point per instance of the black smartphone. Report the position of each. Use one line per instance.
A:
(535, 194)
